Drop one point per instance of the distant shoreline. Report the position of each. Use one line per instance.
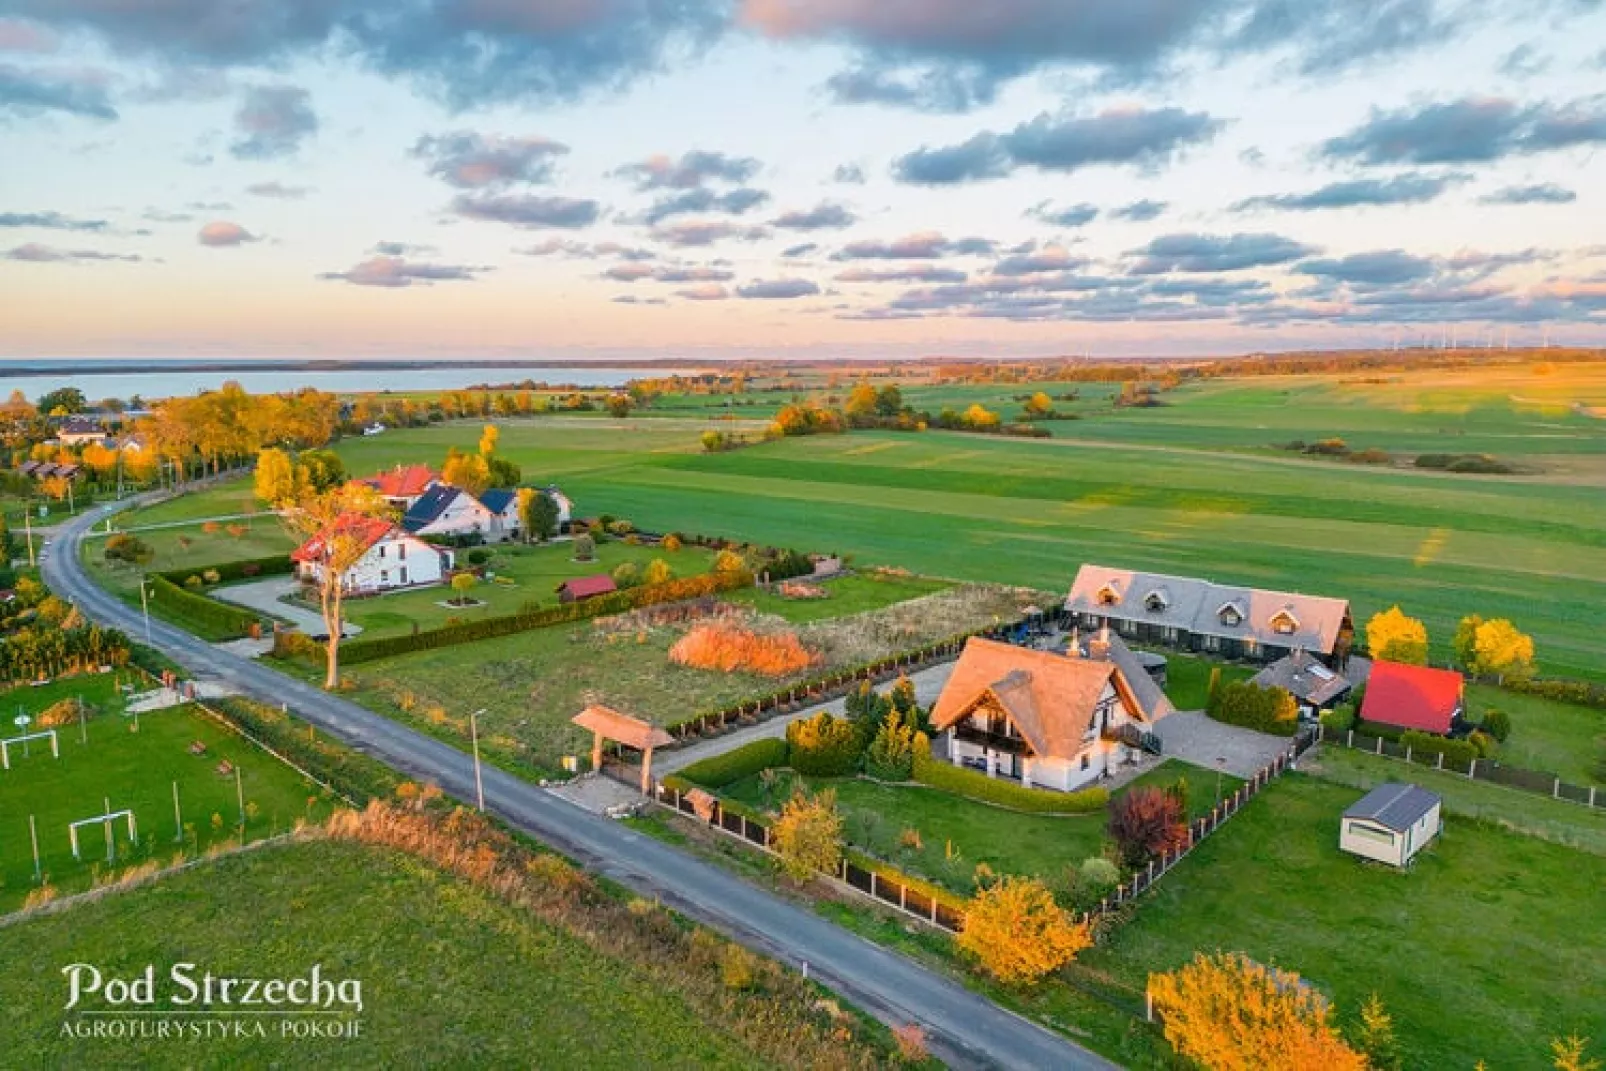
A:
(25, 367)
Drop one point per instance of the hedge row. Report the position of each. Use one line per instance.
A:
(1247, 704)
(354, 775)
(1582, 693)
(963, 782)
(219, 620)
(617, 602)
(717, 771)
(1428, 744)
(890, 873)
(244, 569)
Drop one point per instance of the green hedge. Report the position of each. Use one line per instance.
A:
(717, 771)
(1582, 693)
(208, 618)
(244, 569)
(963, 782)
(567, 613)
(1375, 728)
(350, 773)
(1428, 744)
(1247, 704)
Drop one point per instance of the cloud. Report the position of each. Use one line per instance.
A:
(473, 161)
(1329, 36)
(693, 202)
(272, 122)
(691, 171)
(1407, 189)
(157, 215)
(401, 249)
(568, 247)
(1472, 130)
(1139, 211)
(701, 232)
(792, 252)
(1524, 61)
(18, 36)
(1386, 267)
(35, 253)
(632, 299)
(528, 210)
(1544, 193)
(778, 289)
(942, 89)
(1212, 253)
(1050, 258)
(630, 272)
(221, 233)
(925, 245)
(1073, 216)
(278, 191)
(394, 272)
(824, 216)
(706, 292)
(53, 221)
(1064, 143)
(849, 174)
(923, 273)
(35, 92)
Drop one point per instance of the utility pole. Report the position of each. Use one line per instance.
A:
(27, 526)
(145, 608)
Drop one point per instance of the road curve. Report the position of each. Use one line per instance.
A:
(963, 1026)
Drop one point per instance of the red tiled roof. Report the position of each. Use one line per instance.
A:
(1412, 697)
(582, 587)
(403, 481)
(368, 530)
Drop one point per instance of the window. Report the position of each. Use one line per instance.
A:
(1108, 596)
(384, 576)
(1231, 617)
(1156, 602)
(401, 552)
(381, 550)
(404, 574)
(1284, 624)
(1086, 762)
(1372, 833)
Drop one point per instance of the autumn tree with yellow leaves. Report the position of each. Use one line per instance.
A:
(1395, 637)
(1017, 933)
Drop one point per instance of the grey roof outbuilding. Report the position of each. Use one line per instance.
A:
(1394, 806)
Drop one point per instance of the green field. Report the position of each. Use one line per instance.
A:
(1559, 738)
(845, 595)
(187, 546)
(133, 770)
(956, 834)
(450, 977)
(1486, 949)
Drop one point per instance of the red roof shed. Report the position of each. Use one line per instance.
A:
(1412, 697)
(585, 587)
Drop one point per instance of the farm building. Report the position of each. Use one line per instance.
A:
(1413, 697)
(586, 587)
(1314, 687)
(1219, 619)
(393, 557)
(1391, 823)
(450, 512)
(1044, 719)
(404, 484)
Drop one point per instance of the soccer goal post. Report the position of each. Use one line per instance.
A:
(106, 821)
(44, 734)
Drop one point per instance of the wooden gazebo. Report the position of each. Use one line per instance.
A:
(606, 723)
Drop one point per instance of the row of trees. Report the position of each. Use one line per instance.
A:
(1484, 648)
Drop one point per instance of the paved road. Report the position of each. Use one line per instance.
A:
(963, 1027)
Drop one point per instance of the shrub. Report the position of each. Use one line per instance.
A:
(1017, 933)
(823, 746)
(210, 576)
(1341, 719)
(729, 649)
(193, 582)
(1147, 823)
(717, 771)
(585, 547)
(671, 542)
(808, 835)
(1098, 872)
(1497, 723)
(728, 561)
(626, 575)
(891, 754)
(621, 528)
(271, 565)
(218, 621)
(738, 968)
(479, 556)
(978, 786)
(1485, 744)
(1266, 710)
(1420, 743)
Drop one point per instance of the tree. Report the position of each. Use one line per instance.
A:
(1039, 405)
(891, 755)
(671, 542)
(1017, 933)
(488, 437)
(1146, 823)
(585, 547)
(808, 835)
(1394, 637)
(862, 400)
(323, 469)
(626, 575)
(728, 561)
(657, 572)
(1229, 1013)
(538, 513)
(1375, 1036)
(275, 479)
(619, 405)
(332, 524)
(1465, 643)
(889, 403)
(470, 472)
(1570, 1055)
(63, 402)
(1499, 648)
(501, 472)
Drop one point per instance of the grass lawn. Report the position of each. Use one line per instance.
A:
(851, 594)
(186, 547)
(1485, 949)
(956, 834)
(1559, 738)
(134, 770)
(1567, 823)
(451, 977)
(221, 500)
(524, 574)
(1187, 678)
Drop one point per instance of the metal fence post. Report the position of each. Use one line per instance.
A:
(1472, 771)
(1555, 790)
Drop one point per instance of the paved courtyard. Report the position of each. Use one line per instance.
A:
(1192, 736)
(264, 596)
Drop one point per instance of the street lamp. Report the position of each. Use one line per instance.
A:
(145, 608)
(1221, 764)
(474, 733)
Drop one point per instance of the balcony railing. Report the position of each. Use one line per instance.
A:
(1013, 745)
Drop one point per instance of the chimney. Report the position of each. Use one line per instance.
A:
(1073, 647)
(1098, 648)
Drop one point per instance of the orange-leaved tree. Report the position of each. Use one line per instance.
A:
(808, 834)
(336, 527)
(1017, 933)
(1228, 1013)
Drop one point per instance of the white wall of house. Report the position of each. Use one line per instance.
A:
(506, 525)
(1368, 839)
(397, 561)
(1062, 773)
(465, 516)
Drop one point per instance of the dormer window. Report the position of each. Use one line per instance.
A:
(1109, 595)
(1156, 602)
(1284, 623)
(1230, 616)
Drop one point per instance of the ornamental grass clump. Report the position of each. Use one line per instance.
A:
(729, 648)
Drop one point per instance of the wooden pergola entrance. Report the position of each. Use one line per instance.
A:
(606, 723)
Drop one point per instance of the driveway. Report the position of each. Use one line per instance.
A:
(1193, 736)
(264, 597)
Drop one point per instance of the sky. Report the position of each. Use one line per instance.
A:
(797, 178)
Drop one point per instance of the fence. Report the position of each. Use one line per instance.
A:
(1536, 781)
(914, 898)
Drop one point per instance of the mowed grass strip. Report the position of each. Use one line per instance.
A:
(451, 978)
(845, 595)
(1481, 951)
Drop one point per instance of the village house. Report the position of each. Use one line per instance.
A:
(404, 484)
(1413, 697)
(564, 503)
(1042, 718)
(393, 558)
(1391, 823)
(80, 431)
(503, 504)
(1314, 687)
(449, 513)
(1218, 619)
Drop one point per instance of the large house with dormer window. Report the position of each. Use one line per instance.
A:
(1042, 718)
(1218, 619)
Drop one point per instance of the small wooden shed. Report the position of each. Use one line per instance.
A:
(1391, 823)
(606, 723)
